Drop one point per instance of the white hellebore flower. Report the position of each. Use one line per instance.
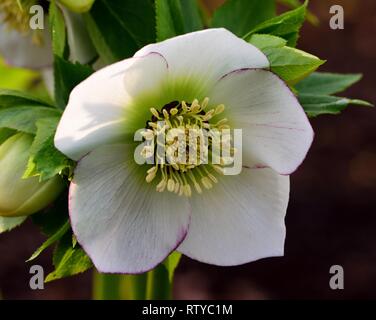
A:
(209, 78)
(23, 47)
(19, 44)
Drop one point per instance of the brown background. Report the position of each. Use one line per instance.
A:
(332, 213)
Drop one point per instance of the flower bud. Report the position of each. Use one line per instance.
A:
(18, 196)
(78, 6)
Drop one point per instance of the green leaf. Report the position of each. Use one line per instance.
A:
(68, 257)
(327, 83)
(286, 25)
(64, 244)
(24, 118)
(67, 76)
(169, 19)
(118, 28)
(51, 219)
(171, 264)
(108, 50)
(240, 16)
(59, 35)
(45, 160)
(137, 18)
(295, 4)
(6, 133)
(13, 98)
(192, 15)
(291, 3)
(291, 64)
(68, 260)
(50, 241)
(175, 17)
(264, 41)
(7, 224)
(315, 105)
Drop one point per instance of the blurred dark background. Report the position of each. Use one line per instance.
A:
(331, 218)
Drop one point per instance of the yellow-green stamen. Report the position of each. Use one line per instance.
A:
(193, 171)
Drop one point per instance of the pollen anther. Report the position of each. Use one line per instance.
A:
(187, 146)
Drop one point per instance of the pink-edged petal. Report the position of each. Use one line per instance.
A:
(204, 56)
(240, 220)
(20, 51)
(101, 110)
(123, 224)
(276, 130)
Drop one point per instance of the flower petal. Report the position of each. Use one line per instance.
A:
(123, 224)
(276, 130)
(240, 220)
(204, 56)
(101, 110)
(146, 74)
(20, 51)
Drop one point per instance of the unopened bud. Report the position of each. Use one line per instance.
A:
(18, 196)
(78, 6)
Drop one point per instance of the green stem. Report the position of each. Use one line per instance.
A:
(106, 286)
(134, 287)
(159, 287)
(119, 287)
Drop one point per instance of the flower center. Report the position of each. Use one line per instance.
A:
(184, 142)
(15, 14)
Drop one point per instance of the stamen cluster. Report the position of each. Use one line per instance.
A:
(179, 139)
